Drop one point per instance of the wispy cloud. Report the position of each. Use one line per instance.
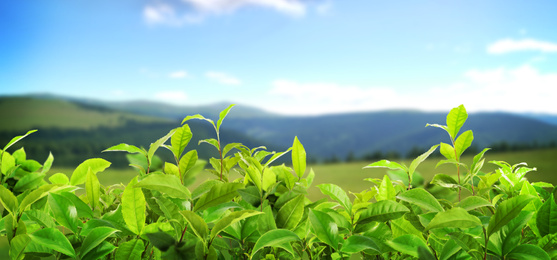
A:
(520, 89)
(176, 97)
(223, 78)
(510, 45)
(162, 12)
(178, 74)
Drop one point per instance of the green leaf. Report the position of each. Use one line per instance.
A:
(83, 210)
(198, 117)
(355, 244)
(133, 207)
(387, 164)
(8, 162)
(29, 182)
(80, 173)
(125, 148)
(41, 218)
(336, 193)
(298, 158)
(95, 238)
(407, 244)
(455, 119)
(455, 218)
(291, 213)
(64, 211)
(37, 194)
(17, 138)
(444, 181)
(475, 167)
(166, 184)
(266, 221)
(155, 146)
(255, 176)
(276, 156)
(93, 189)
(8, 199)
(273, 238)
(229, 147)
(231, 219)
(463, 142)
(382, 211)
(48, 163)
(386, 191)
(18, 245)
(211, 141)
(422, 198)
(528, 252)
(180, 140)
(324, 227)
(100, 251)
(54, 239)
(187, 162)
(219, 193)
(474, 202)
(506, 211)
(448, 151)
(130, 250)
(546, 219)
(420, 159)
(222, 115)
(269, 178)
(285, 176)
(59, 178)
(196, 223)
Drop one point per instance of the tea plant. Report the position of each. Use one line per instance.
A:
(265, 214)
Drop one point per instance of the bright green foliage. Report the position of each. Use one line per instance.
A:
(265, 214)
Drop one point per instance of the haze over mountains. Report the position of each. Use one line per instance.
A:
(324, 137)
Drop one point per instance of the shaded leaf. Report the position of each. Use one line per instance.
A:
(506, 211)
(291, 213)
(231, 219)
(130, 250)
(324, 227)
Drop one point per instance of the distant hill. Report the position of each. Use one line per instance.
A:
(397, 131)
(23, 113)
(401, 132)
(74, 131)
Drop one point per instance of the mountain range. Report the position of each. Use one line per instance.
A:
(325, 136)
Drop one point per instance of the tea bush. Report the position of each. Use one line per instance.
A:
(265, 213)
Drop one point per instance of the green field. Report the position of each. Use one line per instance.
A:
(350, 176)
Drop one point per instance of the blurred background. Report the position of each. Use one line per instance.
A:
(356, 81)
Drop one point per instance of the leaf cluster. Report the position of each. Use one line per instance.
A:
(265, 213)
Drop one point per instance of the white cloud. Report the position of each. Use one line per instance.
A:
(176, 97)
(223, 78)
(324, 8)
(178, 74)
(319, 98)
(510, 45)
(521, 89)
(162, 13)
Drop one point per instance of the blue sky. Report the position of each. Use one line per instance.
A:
(286, 56)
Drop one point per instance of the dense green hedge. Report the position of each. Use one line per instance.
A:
(265, 214)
